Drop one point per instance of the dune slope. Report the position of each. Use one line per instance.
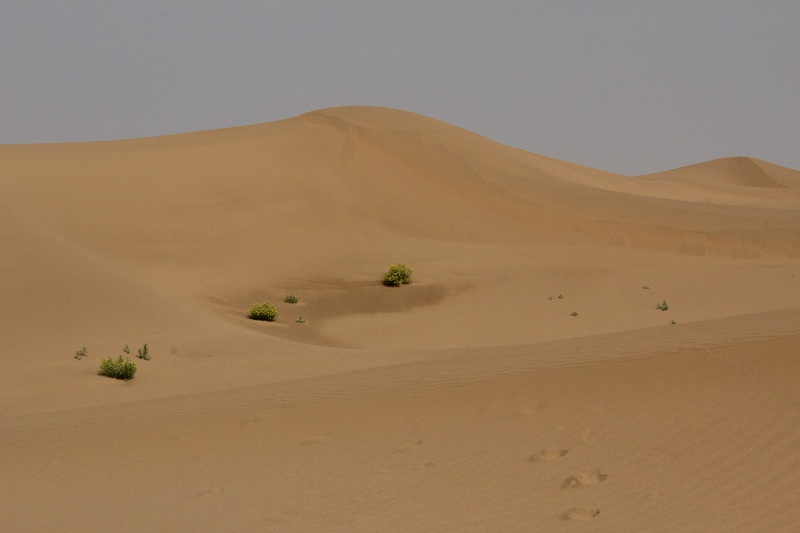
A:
(525, 380)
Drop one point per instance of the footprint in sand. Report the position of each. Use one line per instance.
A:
(584, 480)
(406, 448)
(580, 513)
(547, 455)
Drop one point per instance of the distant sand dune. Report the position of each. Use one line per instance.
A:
(743, 171)
(524, 381)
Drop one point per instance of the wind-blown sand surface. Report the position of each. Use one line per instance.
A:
(470, 400)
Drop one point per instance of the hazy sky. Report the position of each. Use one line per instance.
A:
(631, 87)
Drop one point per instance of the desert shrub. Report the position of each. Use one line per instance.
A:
(574, 313)
(300, 320)
(398, 274)
(144, 353)
(263, 311)
(290, 299)
(663, 306)
(119, 368)
(80, 353)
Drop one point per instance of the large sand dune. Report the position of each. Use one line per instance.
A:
(474, 399)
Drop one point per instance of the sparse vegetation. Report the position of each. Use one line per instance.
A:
(144, 353)
(300, 320)
(126, 349)
(118, 369)
(645, 287)
(263, 311)
(574, 313)
(80, 353)
(398, 274)
(663, 306)
(673, 322)
(290, 299)
(560, 296)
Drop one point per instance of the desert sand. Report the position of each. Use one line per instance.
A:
(525, 380)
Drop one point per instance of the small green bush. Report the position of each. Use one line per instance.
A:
(398, 274)
(263, 311)
(119, 368)
(144, 353)
(290, 299)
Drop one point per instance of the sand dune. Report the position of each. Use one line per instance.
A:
(525, 380)
(742, 171)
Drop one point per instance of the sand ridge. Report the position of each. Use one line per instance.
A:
(525, 380)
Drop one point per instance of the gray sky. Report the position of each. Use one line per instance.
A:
(630, 86)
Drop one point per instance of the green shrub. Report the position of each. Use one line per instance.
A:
(144, 353)
(663, 306)
(119, 368)
(398, 274)
(263, 311)
(290, 299)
